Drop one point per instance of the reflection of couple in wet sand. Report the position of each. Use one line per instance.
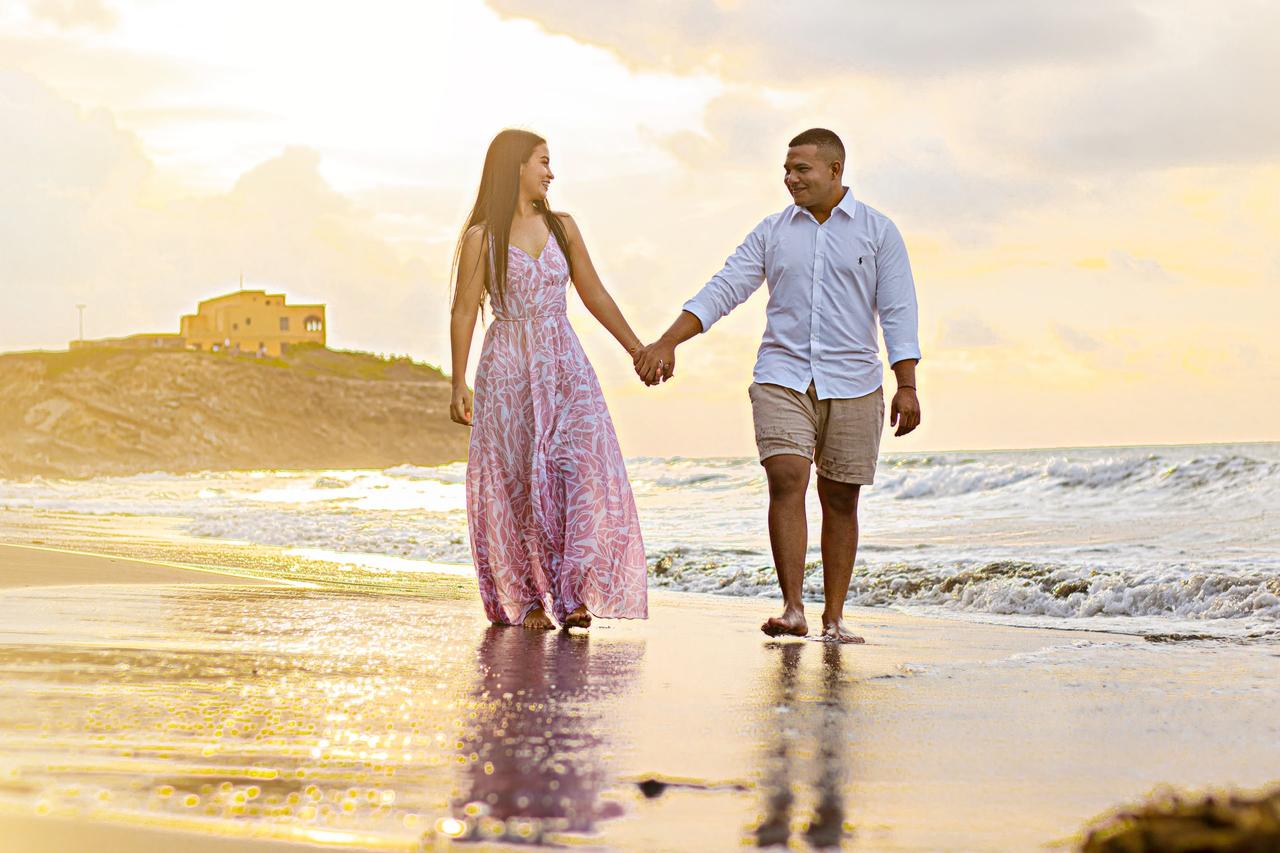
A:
(552, 520)
(531, 772)
(533, 754)
(823, 720)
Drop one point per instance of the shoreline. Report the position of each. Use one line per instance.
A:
(25, 566)
(161, 541)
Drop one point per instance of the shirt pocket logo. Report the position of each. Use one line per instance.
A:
(864, 264)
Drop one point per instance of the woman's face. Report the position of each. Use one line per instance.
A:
(535, 174)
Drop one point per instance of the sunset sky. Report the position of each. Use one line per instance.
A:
(1090, 192)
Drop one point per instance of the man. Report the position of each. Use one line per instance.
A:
(833, 265)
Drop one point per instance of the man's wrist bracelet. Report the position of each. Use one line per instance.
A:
(912, 387)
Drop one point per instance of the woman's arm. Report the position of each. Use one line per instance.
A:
(591, 289)
(462, 320)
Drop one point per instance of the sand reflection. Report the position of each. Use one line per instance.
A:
(534, 754)
(806, 725)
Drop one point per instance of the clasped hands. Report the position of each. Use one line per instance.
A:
(654, 363)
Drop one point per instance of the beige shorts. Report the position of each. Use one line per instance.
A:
(841, 435)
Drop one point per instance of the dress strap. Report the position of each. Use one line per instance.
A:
(493, 258)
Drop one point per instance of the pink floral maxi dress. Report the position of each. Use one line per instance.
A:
(549, 506)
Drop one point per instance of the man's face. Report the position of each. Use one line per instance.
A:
(810, 177)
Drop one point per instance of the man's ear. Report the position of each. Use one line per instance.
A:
(837, 168)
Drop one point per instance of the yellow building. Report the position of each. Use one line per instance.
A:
(252, 321)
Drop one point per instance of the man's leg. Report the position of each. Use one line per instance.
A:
(788, 476)
(839, 547)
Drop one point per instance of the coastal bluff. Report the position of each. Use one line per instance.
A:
(103, 411)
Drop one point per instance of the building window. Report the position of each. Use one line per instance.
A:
(235, 327)
(312, 324)
(284, 324)
(248, 321)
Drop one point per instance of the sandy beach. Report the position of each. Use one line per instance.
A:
(33, 565)
(167, 700)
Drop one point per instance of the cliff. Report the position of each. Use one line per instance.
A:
(109, 411)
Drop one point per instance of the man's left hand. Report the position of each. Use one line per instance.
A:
(905, 411)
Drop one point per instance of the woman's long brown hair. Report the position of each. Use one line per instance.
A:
(496, 205)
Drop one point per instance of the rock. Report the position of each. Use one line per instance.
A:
(651, 788)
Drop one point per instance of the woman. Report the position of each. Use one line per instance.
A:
(550, 511)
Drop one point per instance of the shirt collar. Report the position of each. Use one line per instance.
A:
(848, 204)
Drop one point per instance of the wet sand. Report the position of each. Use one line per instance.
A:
(130, 711)
(34, 565)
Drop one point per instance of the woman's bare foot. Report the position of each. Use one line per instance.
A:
(538, 620)
(791, 622)
(579, 618)
(836, 632)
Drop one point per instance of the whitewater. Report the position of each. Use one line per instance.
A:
(1165, 541)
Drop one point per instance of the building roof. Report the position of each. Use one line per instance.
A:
(230, 295)
(236, 293)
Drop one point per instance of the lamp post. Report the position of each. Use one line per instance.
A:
(81, 309)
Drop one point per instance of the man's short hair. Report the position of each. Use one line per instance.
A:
(826, 140)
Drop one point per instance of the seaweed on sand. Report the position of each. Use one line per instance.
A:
(1213, 823)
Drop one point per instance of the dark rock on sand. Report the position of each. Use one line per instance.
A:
(1227, 823)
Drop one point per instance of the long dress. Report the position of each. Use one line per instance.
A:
(549, 506)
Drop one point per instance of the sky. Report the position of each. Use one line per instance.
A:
(1089, 192)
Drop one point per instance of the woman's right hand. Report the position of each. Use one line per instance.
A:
(460, 407)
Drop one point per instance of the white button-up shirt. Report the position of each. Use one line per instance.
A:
(827, 284)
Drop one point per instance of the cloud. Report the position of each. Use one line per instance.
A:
(911, 172)
(187, 114)
(1069, 87)
(1205, 99)
(969, 333)
(75, 14)
(1076, 340)
(1133, 267)
(99, 72)
(931, 184)
(739, 129)
(770, 42)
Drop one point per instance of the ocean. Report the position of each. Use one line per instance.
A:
(1164, 541)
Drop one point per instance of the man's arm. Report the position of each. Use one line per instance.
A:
(741, 276)
(896, 304)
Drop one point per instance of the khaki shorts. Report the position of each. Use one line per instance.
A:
(841, 435)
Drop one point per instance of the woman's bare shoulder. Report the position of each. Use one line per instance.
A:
(570, 225)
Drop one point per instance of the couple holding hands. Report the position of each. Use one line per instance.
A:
(554, 532)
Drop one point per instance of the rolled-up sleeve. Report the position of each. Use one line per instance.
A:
(742, 275)
(896, 298)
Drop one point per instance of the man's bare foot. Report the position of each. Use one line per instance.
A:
(836, 632)
(579, 618)
(538, 620)
(791, 622)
